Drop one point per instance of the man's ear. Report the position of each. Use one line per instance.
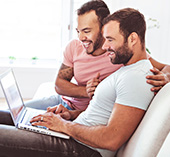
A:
(133, 39)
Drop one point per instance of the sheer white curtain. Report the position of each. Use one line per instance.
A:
(33, 28)
(157, 39)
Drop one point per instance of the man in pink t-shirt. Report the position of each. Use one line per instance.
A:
(88, 63)
(84, 65)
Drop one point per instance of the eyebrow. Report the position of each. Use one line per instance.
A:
(84, 29)
(109, 37)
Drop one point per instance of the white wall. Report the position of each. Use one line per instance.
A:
(29, 78)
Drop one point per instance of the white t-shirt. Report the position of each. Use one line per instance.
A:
(127, 86)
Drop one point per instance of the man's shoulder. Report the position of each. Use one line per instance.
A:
(141, 67)
(132, 88)
(137, 72)
(74, 48)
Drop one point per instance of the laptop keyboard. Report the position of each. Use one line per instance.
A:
(28, 117)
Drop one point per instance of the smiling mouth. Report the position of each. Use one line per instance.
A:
(86, 44)
(111, 54)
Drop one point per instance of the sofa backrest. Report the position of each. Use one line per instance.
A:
(153, 129)
(165, 151)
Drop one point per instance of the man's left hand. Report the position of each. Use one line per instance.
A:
(158, 80)
(50, 120)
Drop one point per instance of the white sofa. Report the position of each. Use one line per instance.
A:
(165, 151)
(45, 90)
(152, 137)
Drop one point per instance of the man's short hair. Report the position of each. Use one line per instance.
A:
(98, 6)
(130, 20)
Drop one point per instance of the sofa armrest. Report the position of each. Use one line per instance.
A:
(45, 90)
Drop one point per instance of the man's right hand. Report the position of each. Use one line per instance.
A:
(92, 84)
(60, 109)
(64, 112)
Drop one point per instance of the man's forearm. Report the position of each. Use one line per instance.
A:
(63, 86)
(91, 136)
(66, 88)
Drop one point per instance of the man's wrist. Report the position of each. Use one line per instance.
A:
(67, 127)
(75, 114)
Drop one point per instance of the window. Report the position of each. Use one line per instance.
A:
(32, 28)
(76, 5)
(37, 28)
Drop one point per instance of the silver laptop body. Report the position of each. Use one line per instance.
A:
(21, 114)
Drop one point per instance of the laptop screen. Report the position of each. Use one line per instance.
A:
(12, 94)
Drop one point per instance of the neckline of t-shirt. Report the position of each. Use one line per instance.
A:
(137, 63)
(99, 56)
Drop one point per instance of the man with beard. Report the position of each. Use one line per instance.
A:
(117, 107)
(88, 63)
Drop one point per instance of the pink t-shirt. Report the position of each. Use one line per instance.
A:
(85, 68)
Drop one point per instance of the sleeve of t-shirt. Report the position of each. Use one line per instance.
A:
(134, 91)
(68, 53)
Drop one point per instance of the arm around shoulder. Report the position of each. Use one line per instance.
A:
(161, 75)
(165, 68)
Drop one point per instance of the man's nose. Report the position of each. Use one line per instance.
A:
(105, 45)
(82, 36)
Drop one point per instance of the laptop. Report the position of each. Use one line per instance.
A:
(21, 114)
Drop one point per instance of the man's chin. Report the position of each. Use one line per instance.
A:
(89, 52)
(113, 61)
(116, 63)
